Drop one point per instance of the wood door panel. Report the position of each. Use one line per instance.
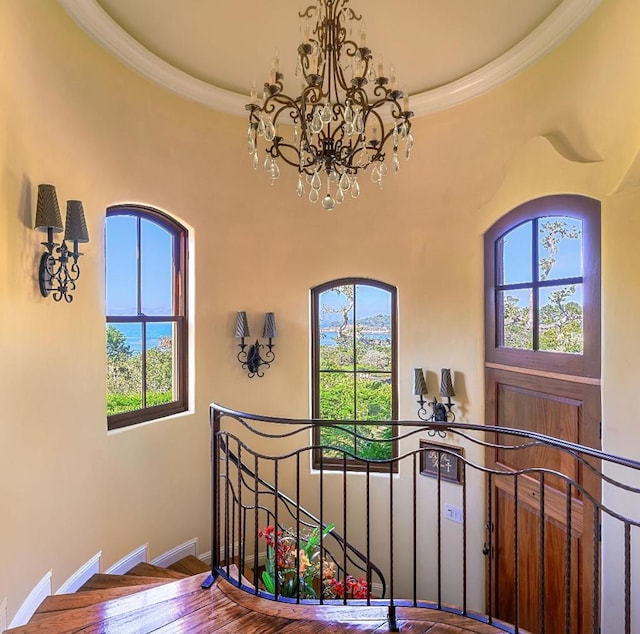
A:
(565, 410)
(555, 501)
(523, 408)
(531, 578)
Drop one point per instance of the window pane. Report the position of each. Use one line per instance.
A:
(559, 248)
(372, 449)
(515, 315)
(335, 316)
(514, 255)
(160, 363)
(373, 328)
(340, 438)
(156, 260)
(373, 397)
(124, 368)
(336, 396)
(561, 319)
(121, 265)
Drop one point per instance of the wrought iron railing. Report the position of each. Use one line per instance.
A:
(420, 529)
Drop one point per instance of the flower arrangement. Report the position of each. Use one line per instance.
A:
(295, 559)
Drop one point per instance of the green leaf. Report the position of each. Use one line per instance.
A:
(269, 583)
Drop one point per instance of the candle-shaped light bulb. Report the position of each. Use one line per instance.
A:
(392, 77)
(380, 67)
(254, 93)
(405, 101)
(363, 34)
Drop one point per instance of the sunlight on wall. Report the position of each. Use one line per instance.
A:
(73, 116)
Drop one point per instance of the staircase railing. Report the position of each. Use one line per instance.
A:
(393, 543)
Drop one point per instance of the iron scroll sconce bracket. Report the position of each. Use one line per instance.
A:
(441, 411)
(58, 270)
(253, 359)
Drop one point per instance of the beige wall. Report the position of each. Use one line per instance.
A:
(73, 116)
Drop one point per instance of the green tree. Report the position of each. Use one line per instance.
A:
(560, 318)
(116, 343)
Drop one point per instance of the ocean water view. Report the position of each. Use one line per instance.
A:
(133, 333)
(328, 336)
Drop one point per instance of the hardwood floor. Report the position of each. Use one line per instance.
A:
(164, 604)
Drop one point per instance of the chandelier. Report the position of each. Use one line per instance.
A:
(347, 116)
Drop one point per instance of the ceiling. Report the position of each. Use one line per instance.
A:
(444, 51)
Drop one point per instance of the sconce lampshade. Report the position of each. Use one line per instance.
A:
(242, 326)
(76, 225)
(419, 382)
(446, 384)
(47, 210)
(269, 331)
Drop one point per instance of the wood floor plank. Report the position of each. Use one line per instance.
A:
(61, 602)
(144, 569)
(190, 565)
(150, 618)
(254, 624)
(209, 619)
(101, 581)
(73, 620)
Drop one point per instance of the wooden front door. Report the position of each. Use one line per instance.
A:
(542, 360)
(542, 563)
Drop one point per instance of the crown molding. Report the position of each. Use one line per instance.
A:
(569, 15)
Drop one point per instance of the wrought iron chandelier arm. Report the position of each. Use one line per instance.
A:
(275, 150)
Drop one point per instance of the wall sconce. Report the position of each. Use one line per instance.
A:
(252, 359)
(59, 270)
(440, 412)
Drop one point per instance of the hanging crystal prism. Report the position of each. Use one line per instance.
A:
(396, 161)
(300, 188)
(328, 202)
(327, 115)
(409, 146)
(316, 183)
(275, 171)
(269, 130)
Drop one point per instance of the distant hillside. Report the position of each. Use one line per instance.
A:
(374, 322)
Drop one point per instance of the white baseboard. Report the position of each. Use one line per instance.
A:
(39, 593)
(248, 560)
(376, 589)
(3, 615)
(81, 576)
(137, 556)
(178, 552)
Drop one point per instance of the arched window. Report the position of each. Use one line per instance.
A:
(146, 305)
(354, 366)
(543, 286)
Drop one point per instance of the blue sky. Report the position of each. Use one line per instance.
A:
(156, 273)
(517, 253)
